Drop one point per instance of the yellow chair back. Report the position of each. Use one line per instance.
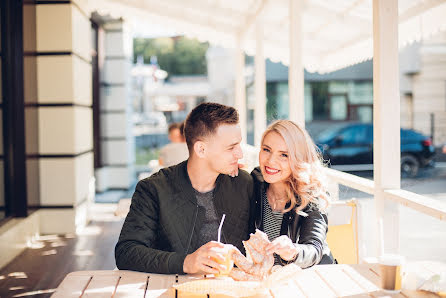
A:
(342, 236)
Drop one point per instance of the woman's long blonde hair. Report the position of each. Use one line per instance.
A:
(306, 183)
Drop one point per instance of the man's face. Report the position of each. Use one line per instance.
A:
(175, 136)
(223, 148)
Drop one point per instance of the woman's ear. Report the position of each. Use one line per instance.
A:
(200, 149)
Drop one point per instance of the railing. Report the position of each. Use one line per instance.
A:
(353, 181)
(408, 199)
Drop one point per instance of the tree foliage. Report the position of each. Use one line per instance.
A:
(176, 55)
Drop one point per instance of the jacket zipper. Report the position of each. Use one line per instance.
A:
(192, 231)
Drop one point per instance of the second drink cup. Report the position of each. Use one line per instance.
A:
(391, 272)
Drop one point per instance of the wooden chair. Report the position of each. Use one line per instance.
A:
(342, 236)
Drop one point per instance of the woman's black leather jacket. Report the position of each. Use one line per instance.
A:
(307, 232)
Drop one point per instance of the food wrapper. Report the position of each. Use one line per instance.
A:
(427, 276)
(230, 287)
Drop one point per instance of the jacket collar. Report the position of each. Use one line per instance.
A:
(184, 189)
(184, 185)
(257, 175)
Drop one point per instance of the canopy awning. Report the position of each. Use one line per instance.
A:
(181, 89)
(336, 33)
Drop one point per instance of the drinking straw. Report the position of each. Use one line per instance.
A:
(221, 224)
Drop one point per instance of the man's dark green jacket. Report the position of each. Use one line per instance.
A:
(162, 225)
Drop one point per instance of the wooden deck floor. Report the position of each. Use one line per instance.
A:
(38, 270)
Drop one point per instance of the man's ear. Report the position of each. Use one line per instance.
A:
(200, 149)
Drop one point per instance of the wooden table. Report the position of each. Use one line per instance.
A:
(318, 281)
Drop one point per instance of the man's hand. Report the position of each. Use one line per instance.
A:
(203, 259)
(284, 247)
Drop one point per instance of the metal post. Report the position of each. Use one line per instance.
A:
(432, 126)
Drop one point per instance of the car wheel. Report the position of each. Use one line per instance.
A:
(409, 166)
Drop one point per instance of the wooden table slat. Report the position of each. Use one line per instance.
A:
(72, 286)
(187, 278)
(319, 281)
(101, 286)
(291, 289)
(132, 285)
(371, 272)
(339, 281)
(313, 286)
(160, 286)
(360, 280)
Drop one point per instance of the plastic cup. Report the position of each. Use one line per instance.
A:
(228, 262)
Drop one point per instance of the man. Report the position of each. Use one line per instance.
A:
(175, 213)
(176, 151)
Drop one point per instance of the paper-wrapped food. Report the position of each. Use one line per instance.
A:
(229, 287)
(427, 276)
(254, 275)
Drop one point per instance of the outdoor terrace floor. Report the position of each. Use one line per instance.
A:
(39, 269)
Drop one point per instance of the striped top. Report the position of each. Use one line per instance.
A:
(272, 222)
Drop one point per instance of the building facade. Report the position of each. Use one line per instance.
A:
(64, 116)
(347, 94)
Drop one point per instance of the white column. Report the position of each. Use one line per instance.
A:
(295, 70)
(386, 120)
(240, 86)
(117, 143)
(260, 87)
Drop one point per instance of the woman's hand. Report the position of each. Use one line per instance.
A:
(284, 247)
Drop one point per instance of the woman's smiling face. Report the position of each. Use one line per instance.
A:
(274, 158)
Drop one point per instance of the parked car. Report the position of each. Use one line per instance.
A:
(353, 144)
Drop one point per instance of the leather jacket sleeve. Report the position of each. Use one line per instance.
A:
(312, 237)
(135, 249)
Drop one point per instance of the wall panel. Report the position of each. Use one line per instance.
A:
(56, 130)
(55, 79)
(82, 82)
(54, 28)
(114, 124)
(57, 181)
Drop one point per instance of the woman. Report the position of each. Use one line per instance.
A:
(290, 196)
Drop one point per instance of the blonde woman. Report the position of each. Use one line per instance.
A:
(290, 196)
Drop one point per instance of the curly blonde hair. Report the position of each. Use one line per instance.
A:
(306, 183)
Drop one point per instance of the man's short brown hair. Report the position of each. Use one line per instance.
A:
(204, 119)
(182, 128)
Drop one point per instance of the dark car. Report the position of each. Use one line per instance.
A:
(353, 144)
